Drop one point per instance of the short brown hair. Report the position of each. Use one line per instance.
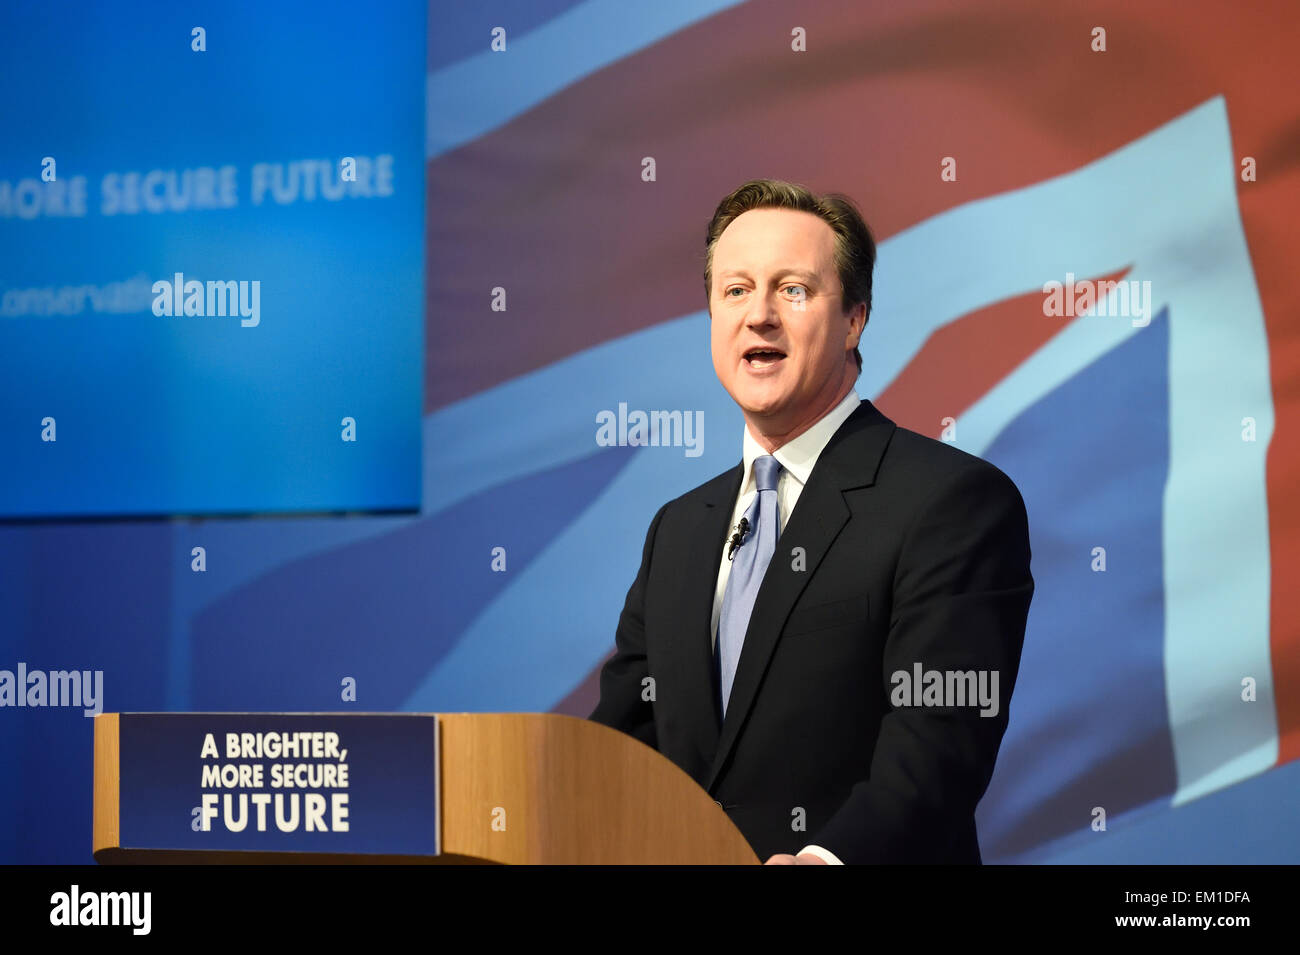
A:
(855, 249)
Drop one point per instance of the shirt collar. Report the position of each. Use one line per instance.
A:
(797, 457)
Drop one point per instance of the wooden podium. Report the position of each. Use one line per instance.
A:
(572, 792)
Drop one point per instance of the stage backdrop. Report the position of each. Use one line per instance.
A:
(1011, 157)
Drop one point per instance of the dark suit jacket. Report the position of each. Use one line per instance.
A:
(914, 552)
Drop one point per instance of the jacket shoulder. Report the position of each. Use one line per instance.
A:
(924, 463)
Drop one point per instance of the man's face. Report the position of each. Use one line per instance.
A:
(782, 345)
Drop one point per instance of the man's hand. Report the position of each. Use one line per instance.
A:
(803, 858)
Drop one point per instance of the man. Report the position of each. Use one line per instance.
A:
(789, 613)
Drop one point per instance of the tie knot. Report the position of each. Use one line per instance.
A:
(766, 471)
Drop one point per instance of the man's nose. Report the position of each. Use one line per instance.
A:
(762, 312)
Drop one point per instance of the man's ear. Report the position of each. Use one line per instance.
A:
(857, 321)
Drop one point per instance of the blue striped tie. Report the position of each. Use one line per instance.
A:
(747, 569)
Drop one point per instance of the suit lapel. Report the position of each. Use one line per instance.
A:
(702, 556)
(848, 461)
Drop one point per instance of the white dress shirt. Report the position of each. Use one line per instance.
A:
(797, 458)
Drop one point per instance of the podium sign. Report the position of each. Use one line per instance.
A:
(355, 784)
(441, 789)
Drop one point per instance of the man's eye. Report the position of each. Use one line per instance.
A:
(734, 288)
(802, 293)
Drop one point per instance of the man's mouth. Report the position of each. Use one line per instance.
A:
(762, 357)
